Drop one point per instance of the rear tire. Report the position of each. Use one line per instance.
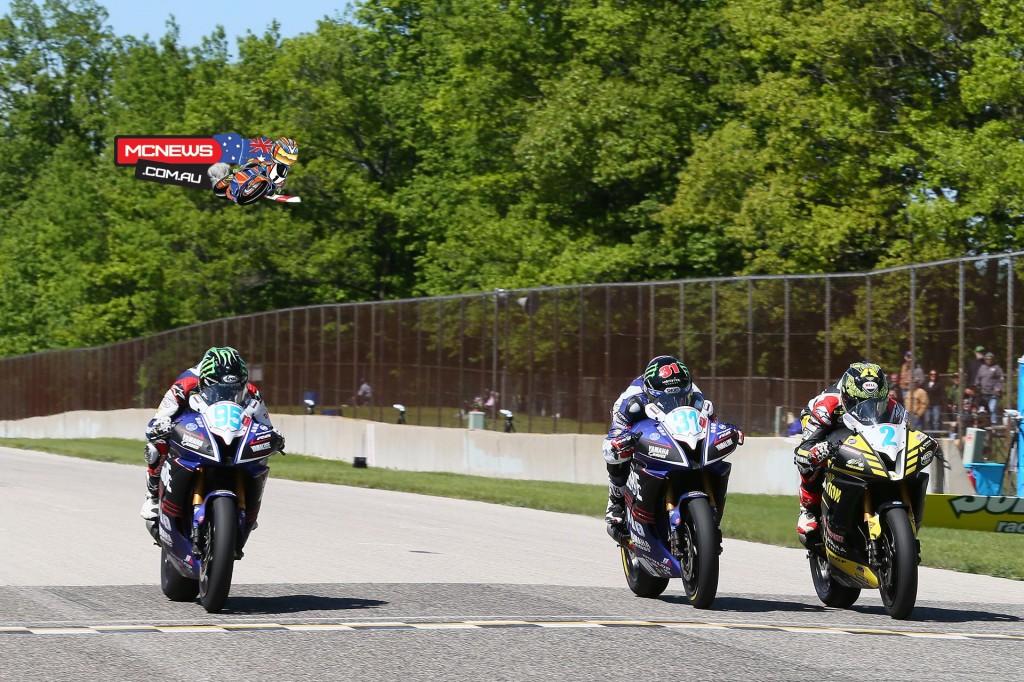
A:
(897, 580)
(642, 583)
(219, 560)
(699, 563)
(175, 586)
(830, 592)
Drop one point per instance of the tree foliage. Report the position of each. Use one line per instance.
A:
(464, 145)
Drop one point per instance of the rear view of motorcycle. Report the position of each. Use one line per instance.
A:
(872, 508)
(211, 487)
(675, 497)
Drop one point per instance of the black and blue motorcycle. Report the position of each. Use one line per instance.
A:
(211, 487)
(675, 497)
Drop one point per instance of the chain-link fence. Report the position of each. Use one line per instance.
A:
(558, 356)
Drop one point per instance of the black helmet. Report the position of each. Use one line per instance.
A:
(222, 365)
(666, 375)
(862, 381)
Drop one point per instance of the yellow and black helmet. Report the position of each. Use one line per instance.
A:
(862, 381)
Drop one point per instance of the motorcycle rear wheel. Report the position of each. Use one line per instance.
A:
(830, 592)
(699, 541)
(897, 580)
(219, 560)
(175, 586)
(642, 583)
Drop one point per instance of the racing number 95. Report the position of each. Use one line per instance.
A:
(227, 416)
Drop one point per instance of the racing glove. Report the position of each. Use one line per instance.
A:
(278, 441)
(624, 446)
(708, 409)
(158, 428)
(813, 457)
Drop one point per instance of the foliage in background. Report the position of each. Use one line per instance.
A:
(463, 145)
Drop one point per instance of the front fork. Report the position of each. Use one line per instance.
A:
(200, 528)
(876, 557)
(677, 547)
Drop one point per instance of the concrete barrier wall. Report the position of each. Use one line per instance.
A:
(761, 465)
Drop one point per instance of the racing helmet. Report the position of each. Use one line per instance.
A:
(862, 381)
(666, 375)
(222, 365)
(285, 151)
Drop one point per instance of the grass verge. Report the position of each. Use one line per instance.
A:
(769, 519)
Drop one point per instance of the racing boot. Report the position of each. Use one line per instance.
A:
(152, 501)
(807, 525)
(615, 518)
(811, 484)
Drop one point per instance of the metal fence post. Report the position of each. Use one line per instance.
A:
(961, 337)
(828, 331)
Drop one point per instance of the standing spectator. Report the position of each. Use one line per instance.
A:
(974, 365)
(936, 390)
(364, 396)
(918, 406)
(990, 384)
(910, 374)
(894, 388)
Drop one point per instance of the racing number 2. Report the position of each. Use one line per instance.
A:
(890, 435)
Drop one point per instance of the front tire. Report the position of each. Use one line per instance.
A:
(830, 592)
(642, 583)
(219, 559)
(897, 580)
(699, 542)
(175, 586)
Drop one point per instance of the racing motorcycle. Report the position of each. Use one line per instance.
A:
(872, 508)
(675, 497)
(211, 487)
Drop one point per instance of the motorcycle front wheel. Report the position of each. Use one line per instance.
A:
(175, 586)
(698, 540)
(897, 580)
(642, 583)
(219, 559)
(830, 592)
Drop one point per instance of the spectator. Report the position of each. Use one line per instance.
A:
(492, 402)
(990, 384)
(794, 428)
(968, 412)
(894, 388)
(936, 390)
(919, 407)
(364, 396)
(910, 374)
(974, 365)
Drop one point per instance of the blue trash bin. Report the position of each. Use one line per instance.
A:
(988, 478)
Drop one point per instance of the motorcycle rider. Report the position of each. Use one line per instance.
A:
(283, 155)
(219, 365)
(823, 415)
(663, 374)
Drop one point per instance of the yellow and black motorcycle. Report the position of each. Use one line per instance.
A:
(872, 508)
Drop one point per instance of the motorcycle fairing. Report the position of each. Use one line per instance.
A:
(191, 440)
(857, 457)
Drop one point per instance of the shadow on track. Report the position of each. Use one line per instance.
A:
(931, 614)
(922, 614)
(297, 603)
(748, 605)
